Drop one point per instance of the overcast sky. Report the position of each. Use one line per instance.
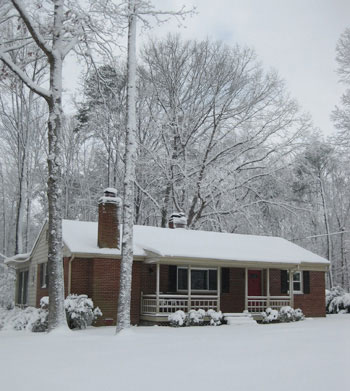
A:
(296, 37)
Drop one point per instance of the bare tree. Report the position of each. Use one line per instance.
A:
(55, 40)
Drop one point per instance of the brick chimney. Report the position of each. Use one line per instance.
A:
(178, 220)
(108, 219)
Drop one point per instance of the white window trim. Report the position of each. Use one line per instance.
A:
(194, 268)
(300, 291)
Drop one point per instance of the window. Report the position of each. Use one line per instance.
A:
(297, 282)
(201, 279)
(44, 275)
(22, 287)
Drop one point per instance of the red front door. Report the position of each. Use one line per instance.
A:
(254, 282)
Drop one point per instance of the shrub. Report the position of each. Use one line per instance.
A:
(7, 286)
(196, 318)
(28, 319)
(285, 314)
(288, 314)
(215, 317)
(177, 319)
(298, 315)
(80, 311)
(270, 316)
(337, 300)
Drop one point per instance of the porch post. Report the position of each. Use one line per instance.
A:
(291, 293)
(246, 289)
(218, 285)
(267, 287)
(189, 288)
(157, 288)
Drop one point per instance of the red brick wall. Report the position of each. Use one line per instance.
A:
(100, 280)
(108, 225)
(275, 283)
(149, 278)
(313, 304)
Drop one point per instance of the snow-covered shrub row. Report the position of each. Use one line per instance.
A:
(194, 318)
(337, 300)
(28, 319)
(285, 314)
(80, 313)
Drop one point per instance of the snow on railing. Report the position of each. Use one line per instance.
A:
(172, 303)
(258, 304)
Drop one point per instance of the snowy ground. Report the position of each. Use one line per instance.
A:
(309, 355)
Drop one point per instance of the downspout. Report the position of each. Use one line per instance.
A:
(70, 274)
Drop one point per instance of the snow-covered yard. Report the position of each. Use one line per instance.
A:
(309, 355)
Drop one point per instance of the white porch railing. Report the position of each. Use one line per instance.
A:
(260, 303)
(172, 303)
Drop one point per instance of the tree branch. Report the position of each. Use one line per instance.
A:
(26, 80)
(40, 41)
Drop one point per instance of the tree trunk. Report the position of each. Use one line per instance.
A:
(57, 317)
(123, 318)
(329, 239)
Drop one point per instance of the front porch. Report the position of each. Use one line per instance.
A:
(155, 307)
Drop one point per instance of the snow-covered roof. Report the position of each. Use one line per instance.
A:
(18, 258)
(81, 237)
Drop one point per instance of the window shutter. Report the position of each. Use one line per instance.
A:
(284, 281)
(306, 282)
(213, 280)
(225, 280)
(172, 277)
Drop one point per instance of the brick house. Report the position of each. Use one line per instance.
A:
(176, 268)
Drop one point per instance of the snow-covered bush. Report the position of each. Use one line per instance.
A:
(288, 314)
(298, 315)
(196, 318)
(215, 317)
(7, 286)
(285, 314)
(270, 315)
(337, 300)
(79, 311)
(29, 319)
(177, 319)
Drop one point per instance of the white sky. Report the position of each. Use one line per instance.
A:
(296, 37)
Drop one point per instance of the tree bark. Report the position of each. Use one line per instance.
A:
(57, 317)
(123, 317)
